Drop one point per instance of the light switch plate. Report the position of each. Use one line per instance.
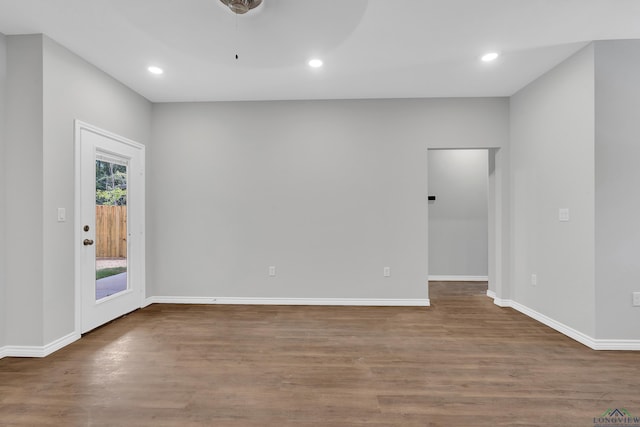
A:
(62, 214)
(636, 299)
(563, 214)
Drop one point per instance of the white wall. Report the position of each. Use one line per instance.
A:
(3, 78)
(617, 193)
(74, 89)
(48, 88)
(552, 167)
(458, 218)
(329, 192)
(23, 209)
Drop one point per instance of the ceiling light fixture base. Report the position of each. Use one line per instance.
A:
(240, 7)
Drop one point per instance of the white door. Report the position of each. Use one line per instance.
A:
(110, 226)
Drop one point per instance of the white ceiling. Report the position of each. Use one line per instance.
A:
(371, 49)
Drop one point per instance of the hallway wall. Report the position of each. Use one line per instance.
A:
(552, 167)
(617, 205)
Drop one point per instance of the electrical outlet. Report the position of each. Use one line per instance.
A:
(636, 299)
(386, 272)
(272, 271)
(534, 280)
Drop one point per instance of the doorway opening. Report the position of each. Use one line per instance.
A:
(458, 222)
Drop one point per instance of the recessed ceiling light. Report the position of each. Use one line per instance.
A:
(491, 56)
(315, 63)
(155, 70)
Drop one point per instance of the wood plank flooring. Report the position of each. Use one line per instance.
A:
(461, 362)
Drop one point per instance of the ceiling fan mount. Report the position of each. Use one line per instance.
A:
(240, 7)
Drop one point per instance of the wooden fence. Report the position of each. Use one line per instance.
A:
(111, 231)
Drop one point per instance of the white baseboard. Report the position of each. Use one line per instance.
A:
(593, 343)
(491, 294)
(628, 345)
(36, 350)
(554, 324)
(459, 278)
(374, 302)
(502, 302)
(24, 351)
(60, 343)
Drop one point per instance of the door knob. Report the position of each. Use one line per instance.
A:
(87, 242)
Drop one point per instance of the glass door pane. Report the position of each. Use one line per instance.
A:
(111, 226)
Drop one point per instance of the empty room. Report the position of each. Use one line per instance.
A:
(319, 213)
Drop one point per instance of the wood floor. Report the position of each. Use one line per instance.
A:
(461, 362)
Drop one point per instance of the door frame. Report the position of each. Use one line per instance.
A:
(498, 231)
(489, 154)
(140, 257)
